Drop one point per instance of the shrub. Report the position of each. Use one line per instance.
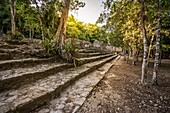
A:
(48, 45)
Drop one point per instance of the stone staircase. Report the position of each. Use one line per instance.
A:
(14, 49)
(50, 85)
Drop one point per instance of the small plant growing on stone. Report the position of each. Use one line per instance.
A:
(69, 51)
(48, 45)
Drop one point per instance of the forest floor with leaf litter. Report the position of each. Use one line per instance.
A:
(121, 92)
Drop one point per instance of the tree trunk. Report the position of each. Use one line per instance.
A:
(134, 60)
(160, 57)
(157, 53)
(127, 56)
(30, 33)
(12, 4)
(137, 55)
(1, 31)
(150, 47)
(124, 54)
(145, 44)
(61, 31)
(42, 29)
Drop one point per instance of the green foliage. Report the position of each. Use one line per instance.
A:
(166, 47)
(26, 18)
(69, 47)
(76, 4)
(9, 35)
(87, 32)
(5, 22)
(19, 35)
(74, 28)
(69, 50)
(122, 18)
(48, 45)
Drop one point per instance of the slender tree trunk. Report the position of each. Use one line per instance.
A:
(124, 54)
(30, 33)
(1, 31)
(131, 52)
(157, 53)
(12, 4)
(42, 29)
(145, 44)
(61, 31)
(160, 58)
(137, 54)
(134, 56)
(150, 47)
(134, 52)
(127, 56)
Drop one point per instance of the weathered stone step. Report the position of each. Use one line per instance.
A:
(21, 53)
(15, 78)
(13, 53)
(88, 54)
(71, 99)
(7, 46)
(8, 64)
(2, 50)
(93, 58)
(92, 50)
(87, 51)
(29, 97)
(2, 42)
(5, 56)
(16, 42)
(19, 50)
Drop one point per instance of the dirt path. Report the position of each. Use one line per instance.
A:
(121, 92)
